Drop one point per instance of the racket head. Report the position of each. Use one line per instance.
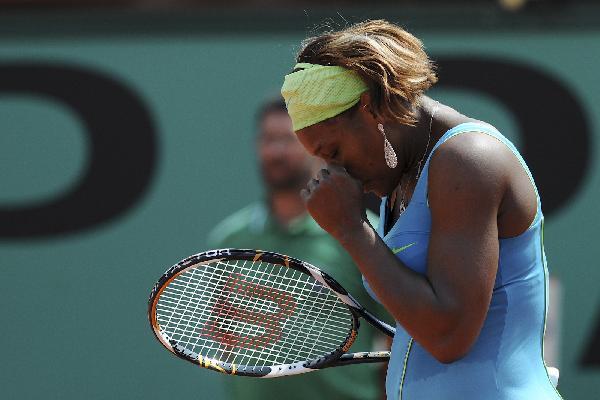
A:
(252, 313)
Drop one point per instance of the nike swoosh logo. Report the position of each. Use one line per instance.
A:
(399, 249)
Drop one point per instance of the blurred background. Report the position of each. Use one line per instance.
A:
(127, 133)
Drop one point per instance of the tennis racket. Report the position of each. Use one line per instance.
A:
(257, 313)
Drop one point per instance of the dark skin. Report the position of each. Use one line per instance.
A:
(477, 190)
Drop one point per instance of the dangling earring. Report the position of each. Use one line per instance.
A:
(390, 155)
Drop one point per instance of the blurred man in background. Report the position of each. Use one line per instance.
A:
(280, 223)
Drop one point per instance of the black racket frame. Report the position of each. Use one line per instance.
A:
(336, 357)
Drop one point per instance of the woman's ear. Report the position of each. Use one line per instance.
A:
(366, 108)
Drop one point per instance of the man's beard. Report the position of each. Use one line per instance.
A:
(293, 180)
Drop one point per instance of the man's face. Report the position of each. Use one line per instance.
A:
(284, 163)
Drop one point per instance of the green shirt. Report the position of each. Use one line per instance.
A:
(253, 227)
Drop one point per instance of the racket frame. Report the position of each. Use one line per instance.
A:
(337, 357)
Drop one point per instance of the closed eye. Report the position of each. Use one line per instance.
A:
(331, 156)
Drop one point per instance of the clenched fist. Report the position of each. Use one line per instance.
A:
(335, 201)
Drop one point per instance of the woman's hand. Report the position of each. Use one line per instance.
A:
(335, 201)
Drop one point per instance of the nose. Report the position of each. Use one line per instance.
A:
(348, 170)
(337, 163)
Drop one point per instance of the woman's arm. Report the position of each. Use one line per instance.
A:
(443, 310)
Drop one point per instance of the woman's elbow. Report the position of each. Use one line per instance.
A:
(448, 351)
(448, 356)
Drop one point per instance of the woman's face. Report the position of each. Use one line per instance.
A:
(352, 141)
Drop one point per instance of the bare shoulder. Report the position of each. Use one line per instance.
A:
(471, 167)
(472, 152)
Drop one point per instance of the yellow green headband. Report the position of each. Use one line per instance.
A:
(319, 92)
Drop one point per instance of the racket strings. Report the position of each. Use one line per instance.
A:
(248, 352)
(227, 328)
(252, 313)
(171, 303)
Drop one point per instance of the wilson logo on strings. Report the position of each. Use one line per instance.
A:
(245, 307)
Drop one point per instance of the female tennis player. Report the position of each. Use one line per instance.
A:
(458, 256)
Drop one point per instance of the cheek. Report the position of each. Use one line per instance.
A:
(366, 155)
(367, 147)
(360, 165)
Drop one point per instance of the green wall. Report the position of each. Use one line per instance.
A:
(74, 304)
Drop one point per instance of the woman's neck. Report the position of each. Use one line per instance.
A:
(416, 143)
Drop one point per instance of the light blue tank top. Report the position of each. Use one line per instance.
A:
(506, 361)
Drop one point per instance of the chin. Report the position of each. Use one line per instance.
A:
(367, 188)
(377, 193)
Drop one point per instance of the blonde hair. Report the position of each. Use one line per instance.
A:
(391, 61)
